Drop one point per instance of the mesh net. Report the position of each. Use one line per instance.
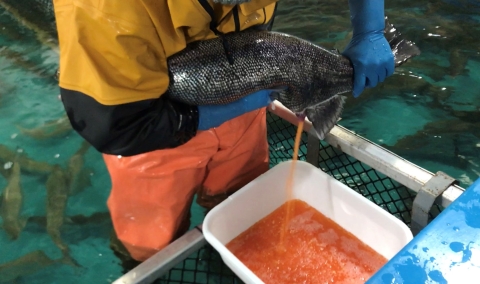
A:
(206, 266)
(203, 266)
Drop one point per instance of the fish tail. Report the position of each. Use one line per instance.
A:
(68, 260)
(325, 115)
(402, 49)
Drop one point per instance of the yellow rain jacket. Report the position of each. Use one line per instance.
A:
(115, 51)
(113, 67)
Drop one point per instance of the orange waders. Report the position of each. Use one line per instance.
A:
(152, 192)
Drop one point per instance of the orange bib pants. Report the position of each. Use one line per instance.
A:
(152, 193)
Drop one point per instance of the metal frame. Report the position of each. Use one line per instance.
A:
(382, 160)
(161, 262)
(377, 157)
(426, 197)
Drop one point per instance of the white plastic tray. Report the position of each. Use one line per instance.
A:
(371, 224)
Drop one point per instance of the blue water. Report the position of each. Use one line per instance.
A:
(431, 123)
(29, 98)
(429, 111)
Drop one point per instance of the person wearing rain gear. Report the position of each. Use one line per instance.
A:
(160, 153)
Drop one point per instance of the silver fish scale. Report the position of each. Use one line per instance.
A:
(304, 74)
(308, 79)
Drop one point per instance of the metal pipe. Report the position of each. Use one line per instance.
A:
(161, 262)
(377, 157)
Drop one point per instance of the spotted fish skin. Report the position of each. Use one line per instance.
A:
(201, 73)
(307, 78)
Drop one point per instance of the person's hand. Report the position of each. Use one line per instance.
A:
(368, 50)
(214, 115)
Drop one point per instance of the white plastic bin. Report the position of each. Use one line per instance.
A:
(371, 224)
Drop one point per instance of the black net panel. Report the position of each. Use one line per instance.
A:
(203, 266)
(206, 266)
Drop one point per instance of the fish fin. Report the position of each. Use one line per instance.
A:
(68, 260)
(324, 116)
(18, 229)
(402, 49)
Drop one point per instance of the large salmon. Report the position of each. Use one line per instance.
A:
(308, 79)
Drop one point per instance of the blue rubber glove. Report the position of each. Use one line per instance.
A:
(214, 115)
(368, 50)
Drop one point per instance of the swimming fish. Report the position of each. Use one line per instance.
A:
(26, 163)
(12, 201)
(57, 187)
(28, 264)
(57, 195)
(51, 129)
(19, 60)
(458, 62)
(78, 176)
(37, 16)
(76, 220)
(307, 79)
